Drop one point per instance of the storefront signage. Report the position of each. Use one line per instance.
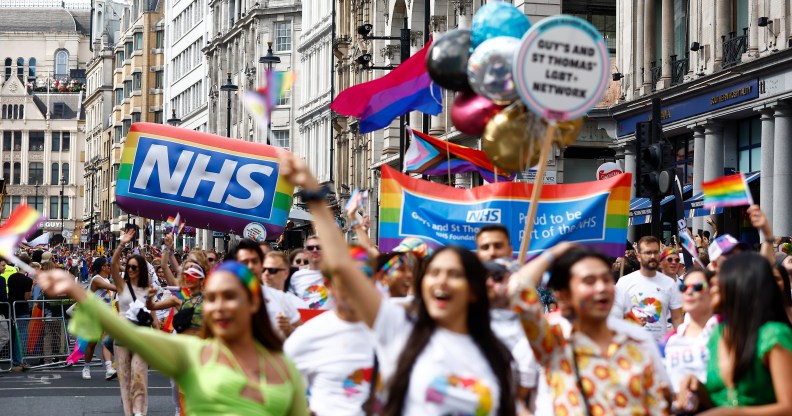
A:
(720, 98)
(608, 170)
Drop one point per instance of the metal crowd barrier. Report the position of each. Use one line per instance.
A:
(6, 340)
(42, 333)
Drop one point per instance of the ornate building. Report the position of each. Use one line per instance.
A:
(42, 121)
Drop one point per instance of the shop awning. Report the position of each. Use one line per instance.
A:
(641, 208)
(694, 207)
(299, 214)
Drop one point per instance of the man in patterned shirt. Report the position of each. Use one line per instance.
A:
(596, 367)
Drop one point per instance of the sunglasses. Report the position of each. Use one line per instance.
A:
(672, 260)
(301, 261)
(132, 267)
(697, 287)
(273, 270)
(211, 259)
(312, 248)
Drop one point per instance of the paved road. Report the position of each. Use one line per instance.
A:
(62, 391)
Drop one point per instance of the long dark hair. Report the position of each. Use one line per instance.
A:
(746, 283)
(143, 273)
(478, 325)
(786, 291)
(260, 321)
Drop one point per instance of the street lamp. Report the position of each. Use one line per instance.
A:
(229, 87)
(269, 59)
(37, 201)
(174, 121)
(63, 186)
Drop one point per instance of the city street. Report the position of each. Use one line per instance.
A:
(61, 391)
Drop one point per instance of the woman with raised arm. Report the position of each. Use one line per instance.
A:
(443, 360)
(236, 367)
(132, 369)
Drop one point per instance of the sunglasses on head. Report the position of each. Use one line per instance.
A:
(697, 287)
(312, 248)
(301, 261)
(273, 270)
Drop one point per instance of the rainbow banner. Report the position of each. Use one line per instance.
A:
(220, 184)
(591, 213)
(727, 191)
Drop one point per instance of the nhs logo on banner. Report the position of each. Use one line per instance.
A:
(487, 215)
(202, 178)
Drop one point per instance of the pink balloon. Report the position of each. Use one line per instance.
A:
(471, 112)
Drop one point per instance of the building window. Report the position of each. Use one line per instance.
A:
(284, 99)
(65, 213)
(119, 59)
(61, 64)
(158, 79)
(15, 201)
(18, 141)
(128, 49)
(7, 170)
(6, 207)
(53, 211)
(54, 179)
(7, 141)
(56, 141)
(17, 174)
(138, 41)
(158, 41)
(8, 63)
(127, 88)
(36, 173)
(119, 96)
(136, 80)
(118, 133)
(126, 124)
(66, 143)
(37, 202)
(280, 138)
(136, 117)
(283, 37)
(36, 141)
(65, 173)
(158, 117)
(749, 145)
(32, 68)
(21, 69)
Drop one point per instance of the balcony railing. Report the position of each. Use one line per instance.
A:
(734, 47)
(679, 67)
(657, 69)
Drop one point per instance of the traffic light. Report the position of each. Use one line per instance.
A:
(654, 161)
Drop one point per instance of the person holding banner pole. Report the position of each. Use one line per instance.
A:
(443, 360)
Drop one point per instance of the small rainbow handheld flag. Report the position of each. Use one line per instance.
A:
(180, 292)
(261, 102)
(23, 221)
(176, 224)
(727, 191)
(355, 207)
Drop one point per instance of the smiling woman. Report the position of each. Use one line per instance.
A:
(238, 369)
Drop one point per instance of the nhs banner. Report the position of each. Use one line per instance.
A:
(214, 182)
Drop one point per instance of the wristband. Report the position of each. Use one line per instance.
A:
(315, 196)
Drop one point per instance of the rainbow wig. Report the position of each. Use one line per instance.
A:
(248, 279)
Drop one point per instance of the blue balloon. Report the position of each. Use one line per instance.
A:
(498, 19)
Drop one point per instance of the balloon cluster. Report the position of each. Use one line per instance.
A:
(478, 64)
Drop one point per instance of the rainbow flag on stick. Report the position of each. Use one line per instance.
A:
(356, 206)
(180, 292)
(727, 191)
(261, 102)
(176, 224)
(24, 221)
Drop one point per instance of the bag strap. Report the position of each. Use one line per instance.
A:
(578, 378)
(131, 291)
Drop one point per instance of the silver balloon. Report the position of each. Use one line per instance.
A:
(490, 69)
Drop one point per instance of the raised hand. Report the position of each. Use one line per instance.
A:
(128, 236)
(294, 170)
(57, 282)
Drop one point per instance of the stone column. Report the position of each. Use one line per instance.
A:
(753, 31)
(438, 26)
(648, 45)
(782, 171)
(638, 24)
(766, 184)
(722, 28)
(713, 154)
(698, 169)
(668, 43)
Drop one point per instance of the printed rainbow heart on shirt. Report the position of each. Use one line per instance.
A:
(353, 382)
(315, 296)
(459, 395)
(649, 308)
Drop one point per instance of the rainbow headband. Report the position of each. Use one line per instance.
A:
(359, 253)
(667, 252)
(248, 279)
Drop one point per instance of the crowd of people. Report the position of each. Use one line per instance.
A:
(343, 329)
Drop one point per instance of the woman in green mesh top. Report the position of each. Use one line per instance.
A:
(237, 369)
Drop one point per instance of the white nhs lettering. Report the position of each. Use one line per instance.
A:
(489, 215)
(170, 182)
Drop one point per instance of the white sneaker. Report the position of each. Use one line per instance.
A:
(111, 373)
(86, 373)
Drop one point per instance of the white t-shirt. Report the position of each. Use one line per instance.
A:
(336, 360)
(688, 355)
(308, 285)
(507, 327)
(450, 376)
(277, 303)
(648, 299)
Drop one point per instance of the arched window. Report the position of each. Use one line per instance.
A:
(17, 173)
(20, 68)
(32, 68)
(7, 170)
(61, 64)
(8, 62)
(65, 172)
(4, 112)
(21, 111)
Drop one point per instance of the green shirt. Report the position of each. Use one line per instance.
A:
(210, 388)
(756, 387)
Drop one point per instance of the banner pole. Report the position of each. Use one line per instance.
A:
(525, 244)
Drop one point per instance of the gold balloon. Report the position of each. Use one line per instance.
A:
(512, 139)
(567, 132)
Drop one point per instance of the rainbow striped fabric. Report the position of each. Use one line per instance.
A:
(176, 224)
(23, 221)
(592, 213)
(261, 102)
(180, 292)
(727, 191)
